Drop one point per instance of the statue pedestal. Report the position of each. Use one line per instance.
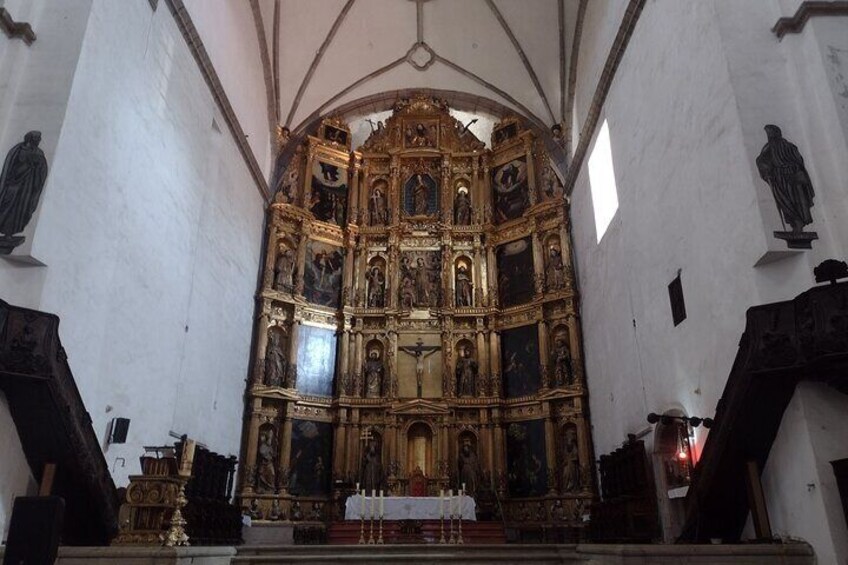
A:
(797, 240)
(9, 242)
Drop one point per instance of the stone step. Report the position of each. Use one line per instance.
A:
(420, 532)
(417, 554)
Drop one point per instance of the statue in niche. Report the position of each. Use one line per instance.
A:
(21, 182)
(275, 513)
(466, 373)
(374, 373)
(276, 364)
(555, 274)
(463, 286)
(377, 208)
(780, 164)
(372, 472)
(571, 461)
(462, 207)
(284, 269)
(266, 473)
(563, 370)
(469, 469)
(419, 197)
(288, 186)
(376, 287)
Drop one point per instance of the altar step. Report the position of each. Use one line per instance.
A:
(415, 554)
(416, 532)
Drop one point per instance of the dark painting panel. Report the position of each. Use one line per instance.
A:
(322, 274)
(510, 190)
(316, 360)
(328, 198)
(420, 195)
(526, 459)
(520, 361)
(311, 450)
(515, 272)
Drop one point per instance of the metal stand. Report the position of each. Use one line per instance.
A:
(380, 539)
(371, 530)
(452, 538)
(459, 537)
(362, 528)
(442, 528)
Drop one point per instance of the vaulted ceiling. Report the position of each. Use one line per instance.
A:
(325, 54)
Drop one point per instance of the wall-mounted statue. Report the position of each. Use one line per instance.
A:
(372, 472)
(266, 474)
(469, 469)
(420, 276)
(21, 182)
(554, 269)
(780, 164)
(284, 269)
(276, 363)
(466, 372)
(462, 207)
(374, 374)
(563, 369)
(377, 207)
(463, 285)
(571, 461)
(376, 286)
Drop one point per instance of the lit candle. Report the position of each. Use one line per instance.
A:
(381, 504)
(373, 496)
(463, 487)
(362, 497)
(442, 503)
(357, 487)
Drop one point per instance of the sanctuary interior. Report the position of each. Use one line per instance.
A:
(382, 280)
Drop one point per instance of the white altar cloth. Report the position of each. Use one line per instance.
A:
(408, 507)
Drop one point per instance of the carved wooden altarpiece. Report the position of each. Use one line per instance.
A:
(383, 328)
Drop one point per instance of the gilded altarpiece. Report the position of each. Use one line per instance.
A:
(419, 318)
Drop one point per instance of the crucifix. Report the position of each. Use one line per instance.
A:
(420, 352)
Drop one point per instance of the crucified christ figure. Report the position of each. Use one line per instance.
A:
(420, 352)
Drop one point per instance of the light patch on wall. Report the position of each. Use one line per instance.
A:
(602, 182)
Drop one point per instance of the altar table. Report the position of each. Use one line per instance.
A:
(408, 507)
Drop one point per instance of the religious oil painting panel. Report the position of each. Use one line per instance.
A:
(311, 452)
(328, 196)
(527, 473)
(520, 361)
(420, 195)
(316, 360)
(322, 276)
(510, 190)
(515, 272)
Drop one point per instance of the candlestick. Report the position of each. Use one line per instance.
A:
(362, 519)
(381, 505)
(362, 497)
(452, 539)
(371, 521)
(442, 503)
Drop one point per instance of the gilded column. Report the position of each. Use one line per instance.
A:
(531, 169)
(476, 189)
(294, 336)
(248, 469)
(262, 341)
(357, 366)
(538, 262)
(550, 448)
(482, 354)
(394, 190)
(446, 205)
(477, 272)
(306, 229)
(271, 252)
(285, 448)
(339, 445)
(495, 354)
(354, 196)
(492, 290)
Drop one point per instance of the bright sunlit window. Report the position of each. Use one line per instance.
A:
(602, 182)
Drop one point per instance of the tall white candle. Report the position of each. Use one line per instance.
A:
(357, 487)
(381, 503)
(450, 502)
(373, 493)
(362, 497)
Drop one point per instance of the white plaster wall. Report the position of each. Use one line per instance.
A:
(150, 231)
(798, 480)
(15, 476)
(686, 109)
(229, 35)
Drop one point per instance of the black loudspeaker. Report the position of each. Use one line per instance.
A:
(35, 530)
(120, 428)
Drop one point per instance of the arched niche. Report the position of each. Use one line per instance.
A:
(463, 269)
(276, 357)
(462, 202)
(376, 278)
(378, 202)
(285, 265)
(466, 369)
(419, 449)
(570, 464)
(561, 363)
(554, 266)
(374, 369)
(266, 459)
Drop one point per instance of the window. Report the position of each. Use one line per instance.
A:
(675, 295)
(602, 182)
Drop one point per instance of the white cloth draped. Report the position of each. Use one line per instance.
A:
(409, 507)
